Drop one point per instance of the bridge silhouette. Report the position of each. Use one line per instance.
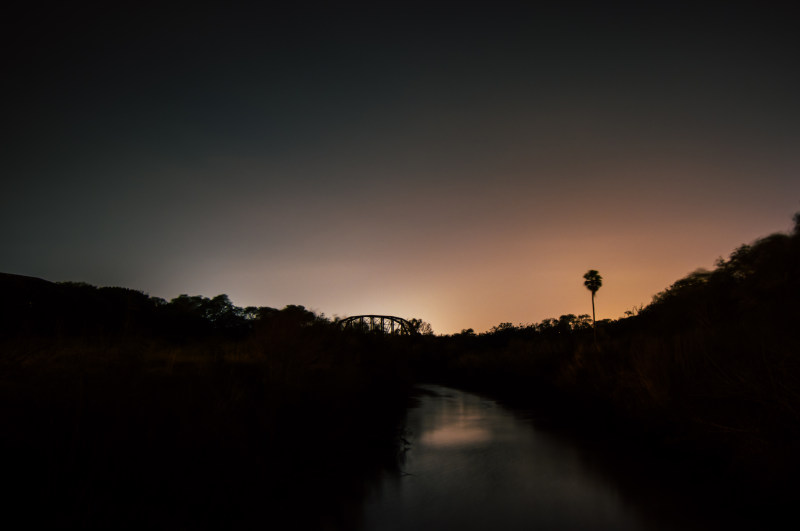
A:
(383, 324)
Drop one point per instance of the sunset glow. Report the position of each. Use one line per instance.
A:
(465, 167)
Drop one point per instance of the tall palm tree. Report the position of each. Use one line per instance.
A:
(593, 282)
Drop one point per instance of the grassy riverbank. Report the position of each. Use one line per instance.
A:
(285, 425)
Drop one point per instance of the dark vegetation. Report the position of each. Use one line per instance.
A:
(710, 370)
(124, 410)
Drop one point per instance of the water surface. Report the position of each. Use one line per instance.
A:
(474, 465)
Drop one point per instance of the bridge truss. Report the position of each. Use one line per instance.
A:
(382, 324)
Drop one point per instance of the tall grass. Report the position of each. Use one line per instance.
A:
(268, 430)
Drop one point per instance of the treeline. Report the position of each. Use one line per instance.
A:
(36, 308)
(710, 368)
(32, 307)
(121, 410)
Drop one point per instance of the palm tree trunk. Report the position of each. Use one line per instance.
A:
(594, 322)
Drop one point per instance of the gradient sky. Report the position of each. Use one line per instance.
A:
(465, 164)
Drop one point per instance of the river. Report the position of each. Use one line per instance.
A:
(474, 465)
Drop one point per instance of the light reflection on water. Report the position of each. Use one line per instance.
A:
(474, 465)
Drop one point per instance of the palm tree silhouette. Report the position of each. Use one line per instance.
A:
(593, 282)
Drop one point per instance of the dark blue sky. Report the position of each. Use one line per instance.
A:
(463, 163)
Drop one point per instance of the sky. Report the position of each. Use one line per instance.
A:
(462, 163)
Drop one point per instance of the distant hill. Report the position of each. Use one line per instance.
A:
(34, 307)
(28, 304)
(17, 287)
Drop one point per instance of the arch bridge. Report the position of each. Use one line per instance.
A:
(382, 324)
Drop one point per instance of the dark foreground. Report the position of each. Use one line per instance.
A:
(144, 438)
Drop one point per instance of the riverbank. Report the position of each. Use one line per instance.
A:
(484, 462)
(708, 372)
(717, 472)
(221, 434)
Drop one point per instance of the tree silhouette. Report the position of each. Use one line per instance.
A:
(593, 282)
(421, 327)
